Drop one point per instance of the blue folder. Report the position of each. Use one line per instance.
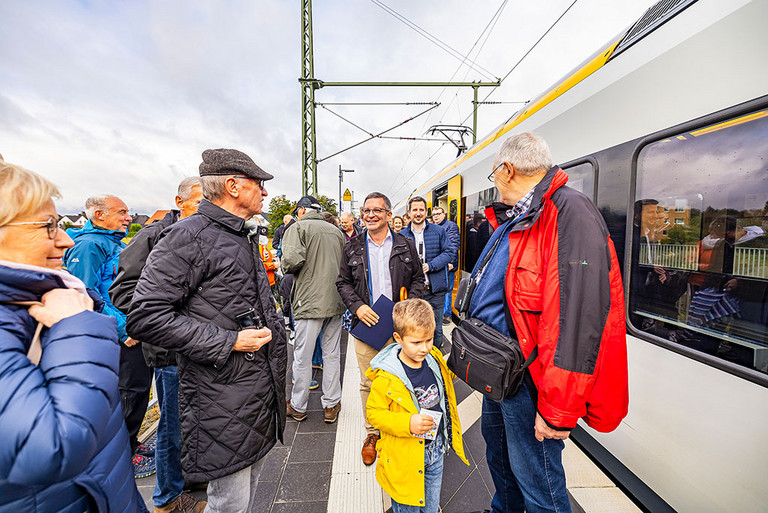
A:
(378, 334)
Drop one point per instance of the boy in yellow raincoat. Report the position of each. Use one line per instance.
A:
(413, 403)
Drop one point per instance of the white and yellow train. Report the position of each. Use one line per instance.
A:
(666, 128)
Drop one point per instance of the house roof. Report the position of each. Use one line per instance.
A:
(140, 219)
(156, 216)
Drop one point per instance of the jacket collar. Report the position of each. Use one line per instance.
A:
(221, 216)
(26, 284)
(89, 228)
(312, 214)
(553, 180)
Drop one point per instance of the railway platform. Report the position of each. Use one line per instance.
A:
(318, 468)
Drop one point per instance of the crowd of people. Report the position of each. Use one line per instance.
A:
(198, 301)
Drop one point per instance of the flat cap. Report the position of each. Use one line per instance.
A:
(224, 161)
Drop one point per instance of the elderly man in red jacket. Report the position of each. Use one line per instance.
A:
(553, 283)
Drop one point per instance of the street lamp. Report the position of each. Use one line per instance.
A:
(341, 179)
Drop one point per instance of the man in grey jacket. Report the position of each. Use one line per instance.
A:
(312, 253)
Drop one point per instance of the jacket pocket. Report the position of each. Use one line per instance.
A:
(528, 295)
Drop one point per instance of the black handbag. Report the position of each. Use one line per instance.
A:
(485, 359)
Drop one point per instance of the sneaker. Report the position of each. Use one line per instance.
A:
(313, 384)
(185, 503)
(446, 320)
(298, 416)
(369, 449)
(331, 414)
(143, 466)
(148, 447)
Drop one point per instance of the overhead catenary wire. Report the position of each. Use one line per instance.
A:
(436, 41)
(487, 30)
(533, 47)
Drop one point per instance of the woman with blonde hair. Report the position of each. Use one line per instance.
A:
(64, 443)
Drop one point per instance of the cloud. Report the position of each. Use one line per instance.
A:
(122, 97)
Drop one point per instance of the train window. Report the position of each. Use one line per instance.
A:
(582, 178)
(476, 230)
(699, 271)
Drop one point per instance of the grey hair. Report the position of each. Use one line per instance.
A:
(185, 187)
(213, 186)
(528, 152)
(95, 203)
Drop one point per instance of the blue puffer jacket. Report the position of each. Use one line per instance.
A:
(439, 254)
(94, 260)
(452, 229)
(63, 442)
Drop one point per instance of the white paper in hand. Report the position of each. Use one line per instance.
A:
(432, 433)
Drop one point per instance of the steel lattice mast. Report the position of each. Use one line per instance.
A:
(308, 149)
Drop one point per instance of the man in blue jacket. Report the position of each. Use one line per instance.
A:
(435, 251)
(94, 259)
(438, 214)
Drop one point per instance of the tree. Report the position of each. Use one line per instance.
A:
(328, 204)
(279, 207)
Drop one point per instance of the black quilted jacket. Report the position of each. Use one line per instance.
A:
(198, 278)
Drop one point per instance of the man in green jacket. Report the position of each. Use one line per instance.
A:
(312, 253)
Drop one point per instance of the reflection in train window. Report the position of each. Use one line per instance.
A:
(476, 230)
(582, 178)
(699, 273)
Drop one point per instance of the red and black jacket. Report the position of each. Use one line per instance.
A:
(565, 295)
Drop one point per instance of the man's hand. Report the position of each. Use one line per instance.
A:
(421, 423)
(59, 304)
(542, 431)
(366, 314)
(450, 267)
(250, 340)
(130, 342)
(425, 267)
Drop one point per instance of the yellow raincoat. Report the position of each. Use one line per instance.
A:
(400, 466)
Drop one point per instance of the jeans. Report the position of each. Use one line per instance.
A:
(235, 493)
(528, 474)
(170, 482)
(303, 347)
(449, 294)
(134, 382)
(317, 356)
(437, 301)
(433, 480)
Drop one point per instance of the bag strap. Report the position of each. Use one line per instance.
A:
(35, 352)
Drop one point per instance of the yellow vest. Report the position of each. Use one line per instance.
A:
(400, 465)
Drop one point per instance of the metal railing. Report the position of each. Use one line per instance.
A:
(748, 262)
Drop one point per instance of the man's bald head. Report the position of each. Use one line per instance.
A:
(287, 218)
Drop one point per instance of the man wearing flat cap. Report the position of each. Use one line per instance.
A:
(205, 294)
(312, 253)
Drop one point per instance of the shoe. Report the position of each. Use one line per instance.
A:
(143, 466)
(295, 415)
(148, 447)
(185, 503)
(331, 414)
(369, 449)
(313, 384)
(446, 320)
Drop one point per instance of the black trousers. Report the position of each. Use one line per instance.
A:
(135, 382)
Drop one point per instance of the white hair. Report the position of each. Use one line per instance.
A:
(527, 152)
(213, 186)
(95, 203)
(185, 187)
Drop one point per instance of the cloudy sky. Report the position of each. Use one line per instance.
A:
(122, 97)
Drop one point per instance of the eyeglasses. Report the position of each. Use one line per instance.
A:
(490, 177)
(51, 225)
(376, 211)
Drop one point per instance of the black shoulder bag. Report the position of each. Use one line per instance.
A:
(488, 361)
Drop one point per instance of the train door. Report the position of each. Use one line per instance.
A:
(454, 213)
